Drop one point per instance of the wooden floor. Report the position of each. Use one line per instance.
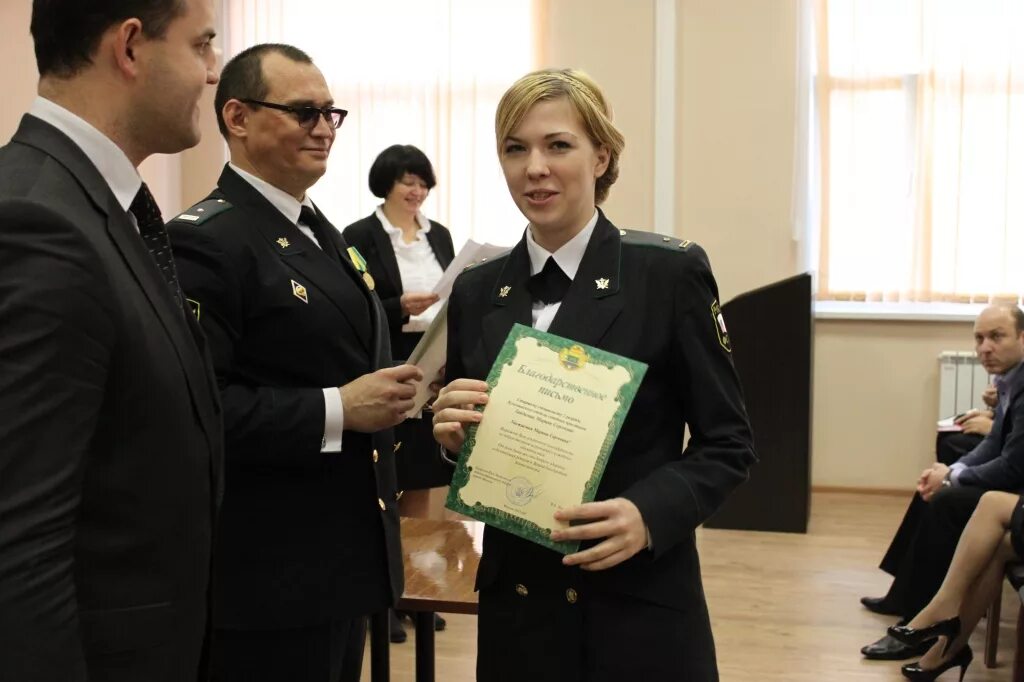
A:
(783, 606)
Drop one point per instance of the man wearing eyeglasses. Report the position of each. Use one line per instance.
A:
(309, 536)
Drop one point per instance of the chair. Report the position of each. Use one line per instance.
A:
(1015, 576)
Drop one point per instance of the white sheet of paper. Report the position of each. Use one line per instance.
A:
(470, 254)
(429, 355)
(432, 350)
(421, 322)
(947, 425)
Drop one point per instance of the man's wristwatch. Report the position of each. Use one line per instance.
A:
(947, 480)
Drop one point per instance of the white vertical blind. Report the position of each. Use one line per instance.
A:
(921, 112)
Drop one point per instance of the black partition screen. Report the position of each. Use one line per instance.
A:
(771, 329)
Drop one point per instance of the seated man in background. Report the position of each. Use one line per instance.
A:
(923, 547)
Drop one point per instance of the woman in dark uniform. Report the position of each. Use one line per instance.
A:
(406, 254)
(629, 604)
(993, 536)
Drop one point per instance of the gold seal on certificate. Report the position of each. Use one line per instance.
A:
(555, 409)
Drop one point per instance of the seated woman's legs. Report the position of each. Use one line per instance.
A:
(975, 574)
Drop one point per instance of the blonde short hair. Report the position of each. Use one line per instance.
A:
(585, 97)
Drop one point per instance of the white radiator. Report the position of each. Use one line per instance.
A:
(961, 382)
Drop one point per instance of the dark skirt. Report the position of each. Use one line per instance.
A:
(1017, 528)
(418, 458)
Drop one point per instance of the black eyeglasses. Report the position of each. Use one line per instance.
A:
(307, 117)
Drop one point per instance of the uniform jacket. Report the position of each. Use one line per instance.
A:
(653, 299)
(110, 437)
(306, 537)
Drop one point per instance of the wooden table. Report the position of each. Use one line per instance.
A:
(441, 559)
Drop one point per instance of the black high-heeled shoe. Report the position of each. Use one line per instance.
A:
(963, 658)
(949, 628)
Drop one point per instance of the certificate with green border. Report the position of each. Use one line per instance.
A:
(554, 411)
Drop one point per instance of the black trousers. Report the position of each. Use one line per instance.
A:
(547, 635)
(332, 652)
(951, 446)
(923, 547)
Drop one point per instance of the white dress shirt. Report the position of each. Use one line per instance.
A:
(290, 207)
(417, 265)
(568, 258)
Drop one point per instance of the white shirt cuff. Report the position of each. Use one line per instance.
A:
(954, 471)
(334, 420)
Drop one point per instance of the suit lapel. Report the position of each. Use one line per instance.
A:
(386, 254)
(297, 251)
(440, 247)
(138, 260)
(1013, 392)
(376, 314)
(510, 298)
(594, 300)
(187, 347)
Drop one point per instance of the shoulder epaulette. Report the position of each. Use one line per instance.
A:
(203, 211)
(644, 238)
(484, 261)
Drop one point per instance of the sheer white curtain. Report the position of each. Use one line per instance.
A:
(421, 72)
(921, 112)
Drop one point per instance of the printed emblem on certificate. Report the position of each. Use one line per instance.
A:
(555, 409)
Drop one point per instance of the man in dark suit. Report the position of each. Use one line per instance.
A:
(110, 439)
(309, 542)
(922, 550)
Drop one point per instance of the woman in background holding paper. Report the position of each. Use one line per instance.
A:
(406, 254)
(629, 604)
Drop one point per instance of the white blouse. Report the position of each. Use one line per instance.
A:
(417, 265)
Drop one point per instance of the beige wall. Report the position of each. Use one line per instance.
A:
(875, 396)
(616, 49)
(874, 382)
(735, 110)
(18, 77)
(201, 165)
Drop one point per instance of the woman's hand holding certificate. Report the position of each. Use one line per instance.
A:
(454, 407)
(617, 520)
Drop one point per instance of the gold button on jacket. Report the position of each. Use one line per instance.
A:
(571, 596)
(521, 590)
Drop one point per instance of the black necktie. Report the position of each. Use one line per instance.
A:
(550, 284)
(151, 229)
(320, 230)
